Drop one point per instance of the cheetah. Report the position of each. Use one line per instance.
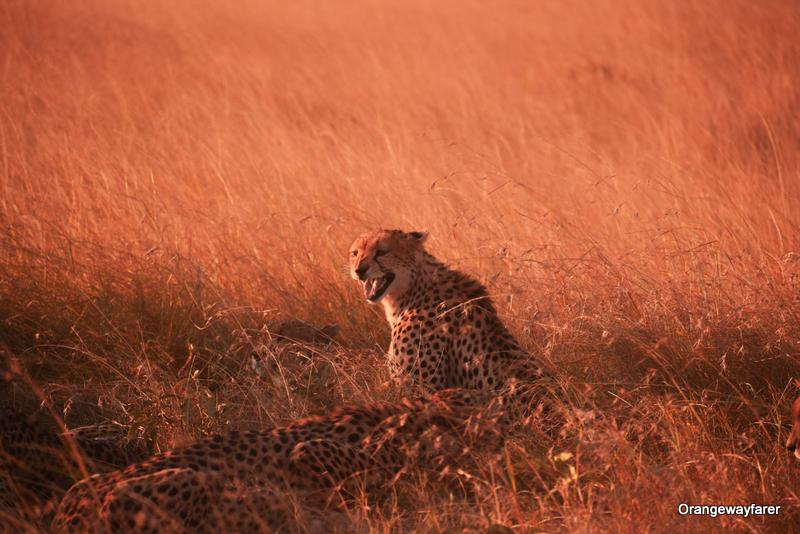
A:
(445, 329)
(39, 457)
(793, 443)
(39, 461)
(240, 481)
(291, 339)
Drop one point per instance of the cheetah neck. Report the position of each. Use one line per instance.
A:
(430, 272)
(391, 308)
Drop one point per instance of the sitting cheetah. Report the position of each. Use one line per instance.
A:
(793, 443)
(239, 481)
(445, 329)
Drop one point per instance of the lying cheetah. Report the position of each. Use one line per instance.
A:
(39, 461)
(238, 481)
(445, 329)
(793, 443)
(38, 458)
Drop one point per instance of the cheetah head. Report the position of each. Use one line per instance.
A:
(793, 443)
(383, 261)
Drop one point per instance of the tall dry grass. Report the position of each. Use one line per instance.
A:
(623, 176)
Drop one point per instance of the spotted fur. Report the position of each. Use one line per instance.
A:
(39, 461)
(239, 481)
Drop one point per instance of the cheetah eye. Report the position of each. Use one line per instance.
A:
(354, 253)
(379, 253)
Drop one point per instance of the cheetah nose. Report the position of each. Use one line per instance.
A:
(361, 272)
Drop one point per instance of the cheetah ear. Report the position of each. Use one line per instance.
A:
(419, 237)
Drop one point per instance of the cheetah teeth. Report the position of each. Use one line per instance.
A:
(374, 288)
(370, 286)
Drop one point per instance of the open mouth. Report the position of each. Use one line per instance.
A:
(374, 288)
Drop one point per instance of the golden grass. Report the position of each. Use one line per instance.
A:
(624, 176)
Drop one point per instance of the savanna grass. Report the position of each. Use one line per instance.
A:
(623, 176)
